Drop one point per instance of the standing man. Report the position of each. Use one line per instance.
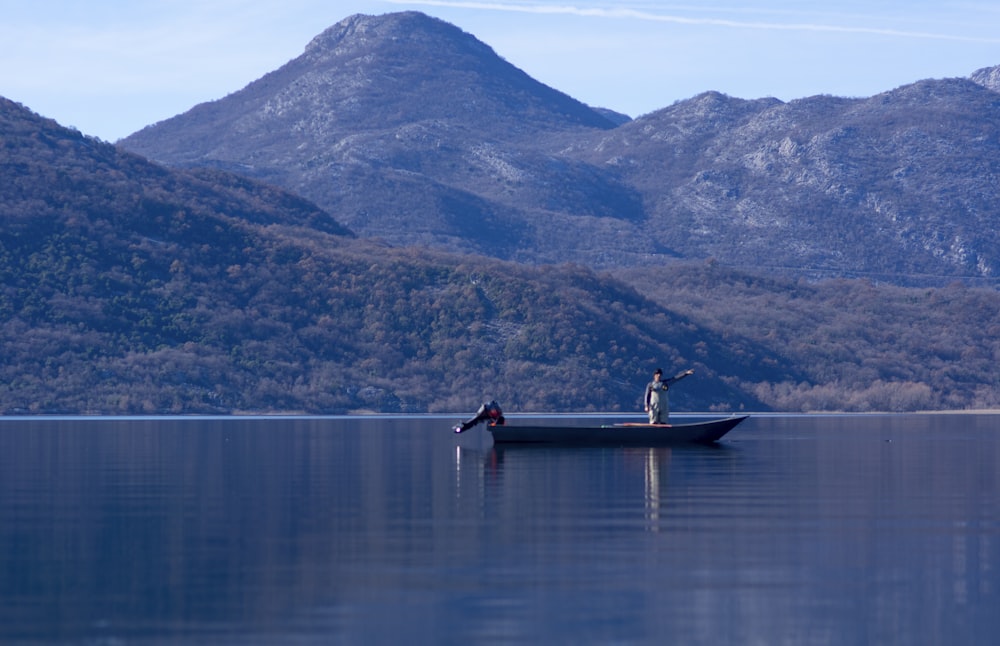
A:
(656, 403)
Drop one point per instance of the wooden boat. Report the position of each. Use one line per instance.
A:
(702, 432)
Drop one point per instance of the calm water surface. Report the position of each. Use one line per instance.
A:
(794, 530)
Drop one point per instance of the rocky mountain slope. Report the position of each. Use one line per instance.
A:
(895, 186)
(404, 127)
(407, 129)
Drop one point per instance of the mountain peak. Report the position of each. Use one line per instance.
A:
(360, 30)
(392, 70)
(424, 67)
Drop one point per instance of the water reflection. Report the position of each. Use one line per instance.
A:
(593, 479)
(813, 530)
(653, 466)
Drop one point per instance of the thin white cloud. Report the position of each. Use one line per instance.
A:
(648, 16)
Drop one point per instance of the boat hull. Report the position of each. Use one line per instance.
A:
(706, 432)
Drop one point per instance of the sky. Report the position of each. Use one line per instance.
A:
(110, 67)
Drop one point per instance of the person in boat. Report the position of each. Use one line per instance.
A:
(489, 411)
(656, 402)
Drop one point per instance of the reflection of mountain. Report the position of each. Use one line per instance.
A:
(216, 530)
(181, 525)
(186, 518)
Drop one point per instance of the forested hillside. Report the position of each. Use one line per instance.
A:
(857, 345)
(129, 288)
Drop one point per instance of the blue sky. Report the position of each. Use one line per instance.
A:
(110, 67)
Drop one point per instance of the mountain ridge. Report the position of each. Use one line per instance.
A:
(824, 181)
(131, 288)
(844, 191)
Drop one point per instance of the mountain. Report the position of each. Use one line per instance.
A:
(132, 288)
(896, 186)
(54, 177)
(407, 129)
(410, 130)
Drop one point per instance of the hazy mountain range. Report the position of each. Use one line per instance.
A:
(384, 224)
(406, 128)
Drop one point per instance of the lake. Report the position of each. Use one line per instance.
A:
(840, 529)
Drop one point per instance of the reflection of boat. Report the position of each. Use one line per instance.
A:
(702, 432)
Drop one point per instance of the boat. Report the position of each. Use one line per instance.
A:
(626, 434)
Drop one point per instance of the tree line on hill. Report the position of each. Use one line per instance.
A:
(129, 288)
(860, 346)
